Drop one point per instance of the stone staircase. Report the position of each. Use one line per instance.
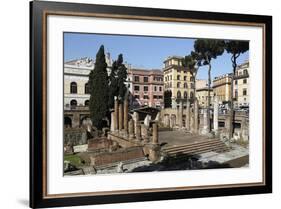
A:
(196, 148)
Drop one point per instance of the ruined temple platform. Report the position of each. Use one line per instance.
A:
(177, 137)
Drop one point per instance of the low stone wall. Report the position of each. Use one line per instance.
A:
(118, 156)
(75, 136)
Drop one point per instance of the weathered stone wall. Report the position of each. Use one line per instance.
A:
(75, 136)
(118, 156)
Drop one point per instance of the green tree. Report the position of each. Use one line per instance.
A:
(98, 82)
(191, 62)
(206, 50)
(117, 79)
(121, 78)
(235, 48)
(113, 88)
(167, 99)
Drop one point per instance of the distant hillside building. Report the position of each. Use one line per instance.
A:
(146, 86)
(178, 79)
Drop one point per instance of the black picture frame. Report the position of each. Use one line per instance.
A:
(38, 12)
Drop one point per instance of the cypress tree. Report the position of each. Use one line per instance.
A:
(98, 82)
(121, 78)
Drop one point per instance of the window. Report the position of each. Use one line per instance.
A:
(171, 77)
(145, 88)
(178, 85)
(192, 79)
(236, 94)
(185, 94)
(155, 88)
(184, 78)
(160, 88)
(87, 102)
(137, 96)
(145, 79)
(137, 78)
(178, 94)
(136, 88)
(245, 72)
(160, 97)
(178, 77)
(192, 85)
(155, 96)
(244, 81)
(185, 85)
(87, 88)
(236, 82)
(244, 92)
(73, 103)
(145, 97)
(73, 88)
(191, 95)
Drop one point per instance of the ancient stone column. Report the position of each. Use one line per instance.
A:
(144, 133)
(120, 116)
(155, 133)
(126, 112)
(112, 124)
(187, 113)
(205, 121)
(195, 116)
(131, 130)
(216, 114)
(138, 131)
(180, 114)
(116, 125)
(136, 119)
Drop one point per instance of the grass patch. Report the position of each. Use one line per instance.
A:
(73, 159)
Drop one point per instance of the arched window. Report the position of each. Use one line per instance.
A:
(87, 102)
(73, 103)
(191, 95)
(185, 95)
(73, 88)
(185, 85)
(178, 85)
(87, 88)
(67, 121)
(178, 94)
(192, 79)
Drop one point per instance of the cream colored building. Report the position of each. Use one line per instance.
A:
(202, 93)
(222, 87)
(241, 85)
(76, 76)
(178, 79)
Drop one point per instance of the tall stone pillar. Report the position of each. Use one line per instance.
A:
(112, 124)
(131, 130)
(76, 120)
(138, 131)
(187, 113)
(136, 119)
(205, 121)
(180, 114)
(155, 133)
(120, 116)
(196, 109)
(216, 114)
(144, 133)
(126, 112)
(116, 125)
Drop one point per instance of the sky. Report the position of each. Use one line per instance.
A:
(142, 51)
